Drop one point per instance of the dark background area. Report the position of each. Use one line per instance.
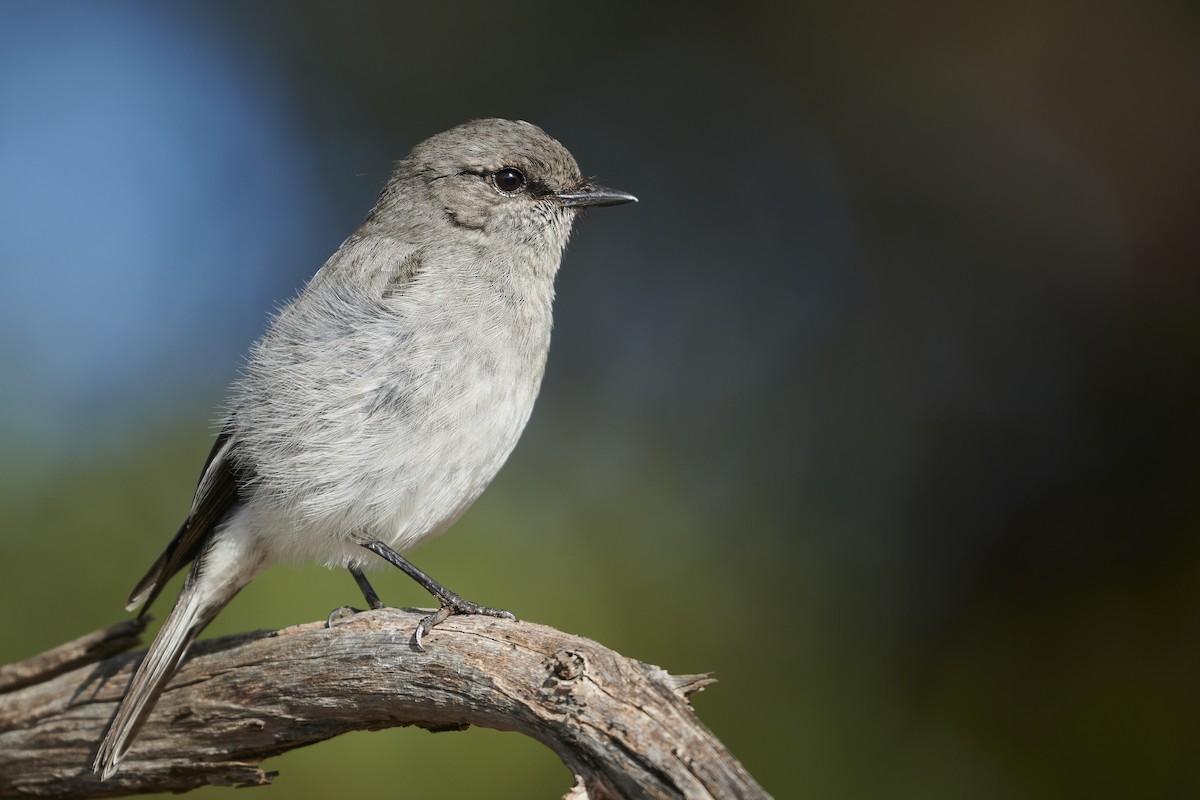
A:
(881, 405)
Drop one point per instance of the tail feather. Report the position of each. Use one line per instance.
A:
(217, 573)
(191, 614)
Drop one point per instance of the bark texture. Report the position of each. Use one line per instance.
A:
(624, 728)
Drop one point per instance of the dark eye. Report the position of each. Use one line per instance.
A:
(509, 180)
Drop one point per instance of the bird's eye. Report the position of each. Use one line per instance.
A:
(509, 180)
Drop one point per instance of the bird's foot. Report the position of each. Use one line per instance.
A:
(454, 604)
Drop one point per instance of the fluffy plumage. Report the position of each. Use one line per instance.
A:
(386, 396)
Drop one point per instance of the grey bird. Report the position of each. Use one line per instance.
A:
(385, 397)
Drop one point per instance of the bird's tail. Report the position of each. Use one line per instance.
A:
(204, 594)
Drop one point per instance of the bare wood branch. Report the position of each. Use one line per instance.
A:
(623, 727)
(84, 650)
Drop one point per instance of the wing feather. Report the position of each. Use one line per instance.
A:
(218, 490)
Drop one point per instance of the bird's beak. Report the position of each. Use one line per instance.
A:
(588, 195)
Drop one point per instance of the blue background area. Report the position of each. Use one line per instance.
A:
(881, 404)
(155, 187)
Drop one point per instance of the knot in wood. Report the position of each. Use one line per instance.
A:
(567, 665)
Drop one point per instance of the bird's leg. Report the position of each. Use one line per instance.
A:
(449, 602)
(368, 591)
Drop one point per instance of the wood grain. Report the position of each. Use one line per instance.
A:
(624, 728)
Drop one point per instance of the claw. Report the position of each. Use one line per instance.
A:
(339, 614)
(427, 623)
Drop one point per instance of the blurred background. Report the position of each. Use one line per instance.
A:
(881, 405)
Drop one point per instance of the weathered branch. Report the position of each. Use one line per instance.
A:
(624, 728)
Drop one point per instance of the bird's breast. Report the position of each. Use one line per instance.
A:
(387, 425)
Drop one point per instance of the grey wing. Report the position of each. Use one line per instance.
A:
(217, 492)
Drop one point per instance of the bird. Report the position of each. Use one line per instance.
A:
(384, 398)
